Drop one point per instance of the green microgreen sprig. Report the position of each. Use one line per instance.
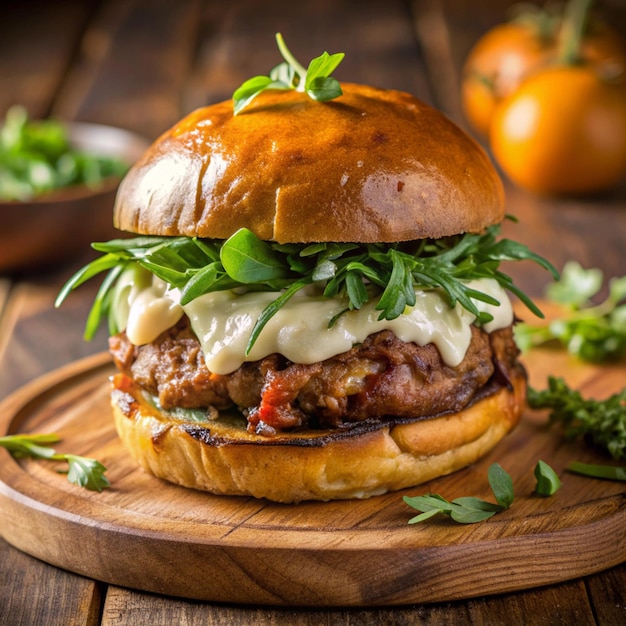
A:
(388, 274)
(82, 471)
(592, 332)
(316, 80)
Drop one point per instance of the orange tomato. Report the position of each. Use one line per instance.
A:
(496, 65)
(563, 131)
(508, 53)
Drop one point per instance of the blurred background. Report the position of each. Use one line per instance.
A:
(140, 65)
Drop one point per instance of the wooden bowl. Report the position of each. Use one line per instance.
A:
(55, 227)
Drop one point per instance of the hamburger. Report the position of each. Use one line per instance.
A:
(311, 306)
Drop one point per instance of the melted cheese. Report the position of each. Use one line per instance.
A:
(144, 305)
(223, 322)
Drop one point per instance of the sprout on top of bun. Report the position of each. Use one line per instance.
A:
(313, 307)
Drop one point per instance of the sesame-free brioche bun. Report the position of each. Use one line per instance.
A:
(221, 457)
(371, 166)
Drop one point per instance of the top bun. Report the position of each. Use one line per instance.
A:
(371, 166)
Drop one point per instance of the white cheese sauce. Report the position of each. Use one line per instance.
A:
(223, 321)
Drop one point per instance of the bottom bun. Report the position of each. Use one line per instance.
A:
(369, 459)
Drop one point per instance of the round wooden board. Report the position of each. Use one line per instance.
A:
(145, 534)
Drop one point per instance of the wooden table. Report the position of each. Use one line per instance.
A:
(142, 64)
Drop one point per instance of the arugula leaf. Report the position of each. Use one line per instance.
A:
(247, 259)
(608, 472)
(393, 300)
(501, 485)
(548, 482)
(602, 421)
(271, 310)
(591, 332)
(316, 81)
(387, 274)
(102, 301)
(83, 471)
(466, 510)
(356, 289)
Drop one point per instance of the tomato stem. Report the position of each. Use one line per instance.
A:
(574, 24)
(541, 21)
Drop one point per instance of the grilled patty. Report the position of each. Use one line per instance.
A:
(381, 378)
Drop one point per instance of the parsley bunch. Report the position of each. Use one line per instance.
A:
(82, 471)
(355, 273)
(602, 421)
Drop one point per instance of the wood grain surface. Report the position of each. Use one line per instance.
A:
(146, 534)
(143, 64)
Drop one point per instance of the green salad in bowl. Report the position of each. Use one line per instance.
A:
(38, 157)
(57, 186)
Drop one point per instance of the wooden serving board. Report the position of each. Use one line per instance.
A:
(145, 534)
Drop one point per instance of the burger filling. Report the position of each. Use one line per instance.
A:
(382, 377)
(302, 373)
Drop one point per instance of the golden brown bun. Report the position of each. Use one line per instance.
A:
(225, 459)
(371, 166)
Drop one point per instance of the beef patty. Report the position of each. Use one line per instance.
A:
(381, 378)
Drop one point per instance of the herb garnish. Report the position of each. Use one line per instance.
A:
(602, 421)
(82, 471)
(469, 510)
(466, 510)
(548, 481)
(356, 273)
(316, 81)
(607, 472)
(592, 332)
